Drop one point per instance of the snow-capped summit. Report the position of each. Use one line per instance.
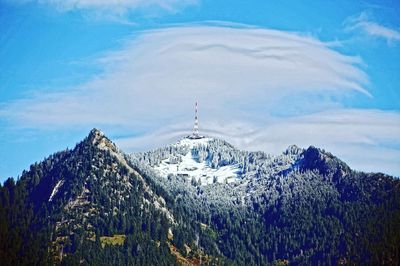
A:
(210, 160)
(193, 158)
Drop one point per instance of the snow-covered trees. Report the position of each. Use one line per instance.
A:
(216, 153)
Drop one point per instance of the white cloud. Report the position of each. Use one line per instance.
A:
(115, 9)
(364, 23)
(233, 72)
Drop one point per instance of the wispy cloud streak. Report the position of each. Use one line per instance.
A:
(365, 24)
(115, 10)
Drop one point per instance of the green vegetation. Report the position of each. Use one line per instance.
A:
(112, 240)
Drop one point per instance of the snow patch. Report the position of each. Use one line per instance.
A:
(55, 189)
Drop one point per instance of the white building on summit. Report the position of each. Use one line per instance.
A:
(195, 134)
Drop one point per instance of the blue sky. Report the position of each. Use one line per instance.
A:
(267, 74)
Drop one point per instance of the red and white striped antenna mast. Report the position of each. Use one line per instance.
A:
(196, 122)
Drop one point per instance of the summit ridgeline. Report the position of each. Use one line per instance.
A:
(197, 201)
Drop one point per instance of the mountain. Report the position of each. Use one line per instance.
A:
(194, 202)
(78, 201)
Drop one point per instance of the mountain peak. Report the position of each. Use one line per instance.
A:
(325, 162)
(98, 139)
(95, 134)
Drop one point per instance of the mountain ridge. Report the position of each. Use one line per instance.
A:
(96, 205)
